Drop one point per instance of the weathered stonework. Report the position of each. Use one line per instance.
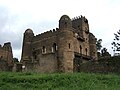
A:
(59, 50)
(6, 57)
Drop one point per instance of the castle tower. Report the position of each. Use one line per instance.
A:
(65, 45)
(85, 29)
(26, 48)
(93, 49)
(80, 24)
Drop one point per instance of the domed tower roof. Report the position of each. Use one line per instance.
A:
(65, 22)
(65, 17)
(29, 31)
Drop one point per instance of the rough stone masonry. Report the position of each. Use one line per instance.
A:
(59, 50)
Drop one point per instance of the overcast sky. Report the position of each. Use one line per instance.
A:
(42, 15)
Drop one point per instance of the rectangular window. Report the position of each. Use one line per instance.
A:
(69, 45)
(43, 50)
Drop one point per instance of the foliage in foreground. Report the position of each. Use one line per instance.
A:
(75, 81)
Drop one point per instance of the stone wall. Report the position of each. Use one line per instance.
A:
(3, 65)
(47, 63)
(103, 65)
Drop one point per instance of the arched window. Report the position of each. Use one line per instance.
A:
(80, 49)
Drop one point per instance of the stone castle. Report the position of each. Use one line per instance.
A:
(59, 50)
(6, 57)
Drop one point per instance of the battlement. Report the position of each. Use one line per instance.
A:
(46, 34)
(79, 18)
(7, 44)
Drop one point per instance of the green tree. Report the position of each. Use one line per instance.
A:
(15, 60)
(105, 53)
(98, 44)
(116, 42)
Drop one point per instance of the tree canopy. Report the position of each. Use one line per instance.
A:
(15, 60)
(116, 42)
(98, 44)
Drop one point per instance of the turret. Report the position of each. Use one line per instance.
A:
(26, 48)
(65, 44)
(65, 22)
(81, 25)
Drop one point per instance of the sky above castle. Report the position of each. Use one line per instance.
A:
(43, 15)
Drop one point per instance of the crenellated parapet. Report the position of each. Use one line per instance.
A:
(6, 46)
(46, 34)
(79, 18)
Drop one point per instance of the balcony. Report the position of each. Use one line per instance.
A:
(82, 56)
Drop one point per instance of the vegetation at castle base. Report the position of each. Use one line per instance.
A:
(69, 81)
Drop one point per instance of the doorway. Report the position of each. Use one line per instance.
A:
(77, 63)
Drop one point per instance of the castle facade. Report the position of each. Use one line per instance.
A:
(59, 50)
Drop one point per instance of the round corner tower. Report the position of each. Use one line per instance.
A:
(26, 48)
(65, 45)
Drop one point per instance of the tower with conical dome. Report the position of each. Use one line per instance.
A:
(65, 44)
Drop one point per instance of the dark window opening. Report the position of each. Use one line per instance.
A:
(86, 40)
(80, 49)
(54, 47)
(33, 49)
(43, 49)
(65, 24)
(34, 55)
(69, 45)
(1, 57)
(86, 51)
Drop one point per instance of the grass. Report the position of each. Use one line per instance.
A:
(69, 81)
